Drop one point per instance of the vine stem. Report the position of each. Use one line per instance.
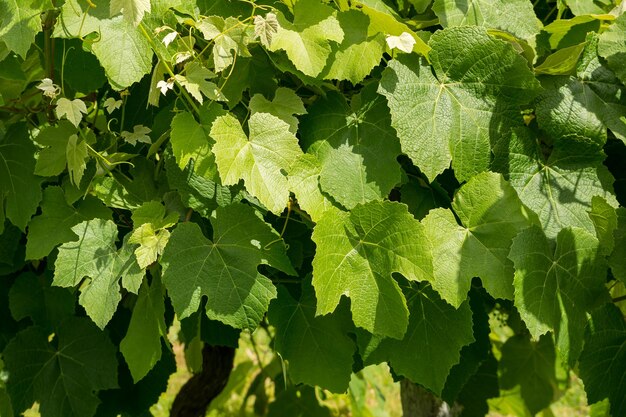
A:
(618, 299)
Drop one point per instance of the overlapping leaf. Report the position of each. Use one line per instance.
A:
(467, 102)
(612, 47)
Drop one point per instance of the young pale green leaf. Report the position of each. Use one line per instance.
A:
(612, 47)
(141, 346)
(133, 10)
(307, 41)
(154, 213)
(303, 181)
(261, 161)
(19, 24)
(513, 16)
(151, 243)
(196, 83)
(457, 111)
(54, 225)
(529, 365)
(603, 360)
(433, 341)
(355, 145)
(224, 269)
(73, 110)
(285, 105)
(139, 134)
(491, 215)
(95, 256)
(53, 157)
(300, 339)
(358, 252)
(20, 189)
(76, 154)
(559, 187)
(556, 287)
(229, 38)
(64, 377)
(265, 28)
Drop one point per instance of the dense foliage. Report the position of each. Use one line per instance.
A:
(431, 184)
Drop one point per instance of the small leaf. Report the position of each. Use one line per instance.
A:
(140, 134)
(49, 89)
(265, 28)
(76, 153)
(112, 104)
(72, 109)
(169, 38)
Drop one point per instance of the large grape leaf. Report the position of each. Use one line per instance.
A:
(603, 360)
(585, 104)
(461, 106)
(357, 253)
(355, 145)
(20, 190)
(54, 225)
(19, 23)
(141, 346)
(303, 181)
(64, 376)
(531, 366)
(261, 161)
(514, 16)
(133, 10)
(224, 269)
(300, 337)
(122, 49)
(433, 341)
(307, 41)
(555, 287)
(96, 257)
(558, 187)
(491, 215)
(612, 47)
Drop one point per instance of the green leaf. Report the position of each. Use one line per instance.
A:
(617, 260)
(559, 187)
(191, 140)
(285, 105)
(555, 287)
(586, 104)
(303, 180)
(72, 109)
(229, 38)
(514, 16)
(261, 161)
(76, 155)
(581, 7)
(224, 269)
(195, 82)
(357, 253)
(54, 225)
(432, 343)
(562, 62)
(307, 40)
(53, 158)
(531, 366)
(133, 10)
(149, 232)
(355, 145)
(141, 346)
(612, 47)
(96, 257)
(20, 189)
(604, 218)
(300, 339)
(603, 361)
(265, 28)
(478, 100)
(139, 134)
(65, 377)
(20, 22)
(491, 215)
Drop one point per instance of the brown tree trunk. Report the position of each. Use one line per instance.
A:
(418, 402)
(195, 396)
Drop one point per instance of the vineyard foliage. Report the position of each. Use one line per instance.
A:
(433, 184)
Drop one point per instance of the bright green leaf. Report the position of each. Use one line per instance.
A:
(19, 23)
(133, 10)
(285, 105)
(73, 110)
(304, 183)
(76, 155)
(612, 47)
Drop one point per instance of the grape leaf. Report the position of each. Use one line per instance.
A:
(141, 346)
(514, 16)
(54, 225)
(261, 161)
(133, 10)
(603, 360)
(195, 82)
(461, 106)
(531, 366)
(355, 145)
(432, 343)
(229, 38)
(95, 256)
(265, 28)
(64, 377)
(555, 287)
(617, 260)
(20, 190)
(357, 253)
(20, 22)
(307, 40)
(612, 47)
(300, 339)
(304, 183)
(604, 218)
(76, 155)
(558, 187)
(582, 7)
(72, 109)
(491, 215)
(53, 157)
(224, 269)
(285, 105)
